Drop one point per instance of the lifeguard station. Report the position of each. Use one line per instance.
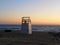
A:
(26, 25)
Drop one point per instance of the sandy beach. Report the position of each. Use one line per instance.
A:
(14, 37)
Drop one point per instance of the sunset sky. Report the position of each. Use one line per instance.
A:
(40, 11)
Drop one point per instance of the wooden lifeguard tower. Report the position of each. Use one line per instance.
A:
(26, 25)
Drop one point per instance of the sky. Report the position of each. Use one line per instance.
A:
(40, 11)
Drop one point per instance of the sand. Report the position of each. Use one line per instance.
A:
(14, 37)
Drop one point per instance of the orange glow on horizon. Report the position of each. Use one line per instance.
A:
(33, 21)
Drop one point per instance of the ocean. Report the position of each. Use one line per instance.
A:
(45, 28)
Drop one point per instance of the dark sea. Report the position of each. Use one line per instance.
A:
(45, 28)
